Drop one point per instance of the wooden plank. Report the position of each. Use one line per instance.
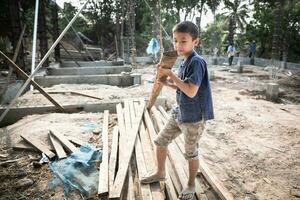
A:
(24, 76)
(113, 156)
(178, 160)
(121, 124)
(73, 93)
(103, 174)
(145, 188)
(223, 192)
(215, 183)
(64, 141)
(151, 131)
(167, 61)
(76, 141)
(145, 149)
(130, 194)
(23, 146)
(60, 152)
(163, 112)
(148, 154)
(39, 146)
(130, 141)
(179, 150)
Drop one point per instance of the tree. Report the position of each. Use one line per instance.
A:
(236, 17)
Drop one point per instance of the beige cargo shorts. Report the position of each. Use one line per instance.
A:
(191, 131)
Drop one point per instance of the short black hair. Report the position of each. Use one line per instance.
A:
(187, 27)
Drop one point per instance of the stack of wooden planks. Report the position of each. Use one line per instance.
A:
(132, 157)
(61, 144)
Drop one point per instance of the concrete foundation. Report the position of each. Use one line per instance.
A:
(121, 80)
(16, 114)
(100, 63)
(88, 70)
(272, 90)
(211, 74)
(11, 92)
(239, 68)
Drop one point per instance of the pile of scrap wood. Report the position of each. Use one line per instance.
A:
(61, 145)
(128, 155)
(132, 157)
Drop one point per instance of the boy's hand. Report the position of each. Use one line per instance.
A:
(162, 71)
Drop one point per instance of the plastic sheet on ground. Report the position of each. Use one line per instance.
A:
(77, 172)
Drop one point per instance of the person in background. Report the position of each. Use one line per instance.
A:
(231, 53)
(252, 52)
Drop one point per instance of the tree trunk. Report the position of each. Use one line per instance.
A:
(122, 29)
(132, 31)
(118, 29)
(42, 27)
(14, 8)
(231, 31)
(276, 44)
(55, 30)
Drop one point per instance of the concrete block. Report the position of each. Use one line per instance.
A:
(137, 78)
(99, 63)
(211, 74)
(121, 80)
(88, 70)
(239, 68)
(272, 90)
(11, 92)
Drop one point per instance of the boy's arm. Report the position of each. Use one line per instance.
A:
(187, 88)
(169, 83)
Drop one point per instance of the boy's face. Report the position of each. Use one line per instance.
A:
(184, 43)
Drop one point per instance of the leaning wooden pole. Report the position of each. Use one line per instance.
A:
(41, 63)
(37, 86)
(167, 61)
(16, 53)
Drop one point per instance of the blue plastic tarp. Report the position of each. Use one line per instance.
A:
(77, 172)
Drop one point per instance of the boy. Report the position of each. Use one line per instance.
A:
(194, 106)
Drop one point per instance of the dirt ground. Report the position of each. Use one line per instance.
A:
(252, 145)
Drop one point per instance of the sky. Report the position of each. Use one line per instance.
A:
(206, 18)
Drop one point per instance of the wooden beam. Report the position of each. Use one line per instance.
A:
(64, 141)
(178, 160)
(37, 86)
(216, 184)
(222, 192)
(103, 174)
(167, 61)
(113, 156)
(142, 172)
(60, 152)
(130, 141)
(151, 131)
(76, 141)
(39, 146)
(122, 130)
(72, 92)
(144, 150)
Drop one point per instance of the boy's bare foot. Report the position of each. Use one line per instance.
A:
(152, 178)
(187, 194)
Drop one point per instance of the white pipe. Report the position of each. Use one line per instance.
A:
(33, 52)
(42, 62)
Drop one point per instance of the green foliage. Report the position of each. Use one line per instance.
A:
(98, 22)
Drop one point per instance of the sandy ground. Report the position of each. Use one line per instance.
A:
(253, 145)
